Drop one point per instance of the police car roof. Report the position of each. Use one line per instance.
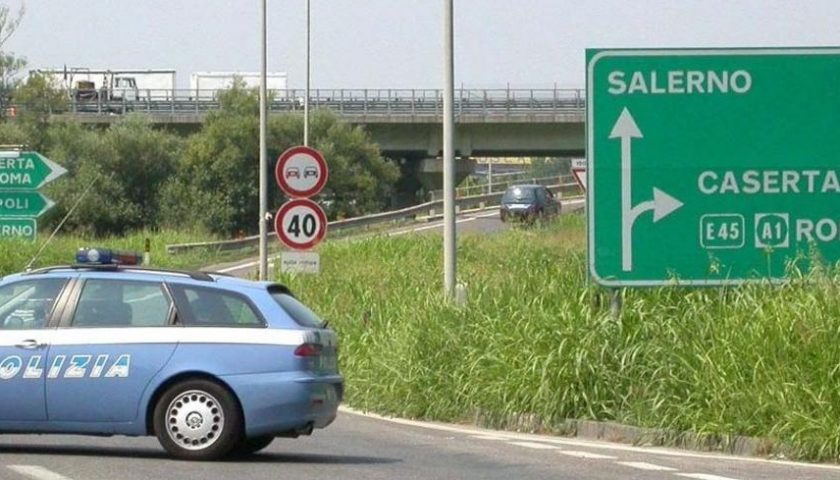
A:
(220, 279)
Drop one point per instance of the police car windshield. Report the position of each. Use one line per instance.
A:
(299, 312)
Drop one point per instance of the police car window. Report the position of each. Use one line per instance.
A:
(27, 304)
(122, 303)
(299, 312)
(214, 308)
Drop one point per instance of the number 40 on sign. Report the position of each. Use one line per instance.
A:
(300, 224)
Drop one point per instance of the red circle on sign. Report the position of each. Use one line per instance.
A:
(293, 208)
(301, 181)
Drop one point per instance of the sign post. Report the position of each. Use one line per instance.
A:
(710, 167)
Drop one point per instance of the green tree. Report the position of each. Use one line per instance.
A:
(37, 99)
(217, 186)
(129, 164)
(10, 64)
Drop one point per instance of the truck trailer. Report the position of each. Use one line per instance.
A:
(206, 84)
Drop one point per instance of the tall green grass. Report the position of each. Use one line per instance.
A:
(16, 254)
(536, 339)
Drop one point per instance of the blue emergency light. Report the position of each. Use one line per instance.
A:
(106, 256)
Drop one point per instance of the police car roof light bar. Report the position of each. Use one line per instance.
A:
(201, 276)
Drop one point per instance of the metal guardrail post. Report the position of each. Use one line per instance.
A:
(366, 103)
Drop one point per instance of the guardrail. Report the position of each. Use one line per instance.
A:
(348, 102)
(409, 213)
(501, 182)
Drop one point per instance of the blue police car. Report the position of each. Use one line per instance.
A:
(211, 365)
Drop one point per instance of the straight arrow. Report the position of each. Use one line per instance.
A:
(626, 129)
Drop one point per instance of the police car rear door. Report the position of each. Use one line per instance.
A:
(111, 342)
(26, 308)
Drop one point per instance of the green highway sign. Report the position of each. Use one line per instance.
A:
(709, 167)
(27, 170)
(23, 203)
(18, 227)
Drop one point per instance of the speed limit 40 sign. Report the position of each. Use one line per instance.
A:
(300, 224)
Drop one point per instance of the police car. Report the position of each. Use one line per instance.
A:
(212, 365)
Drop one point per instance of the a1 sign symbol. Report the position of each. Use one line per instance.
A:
(300, 224)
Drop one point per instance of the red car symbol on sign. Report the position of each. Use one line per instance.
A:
(292, 172)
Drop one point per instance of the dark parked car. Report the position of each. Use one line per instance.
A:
(528, 202)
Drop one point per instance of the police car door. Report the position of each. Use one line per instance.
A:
(26, 307)
(109, 345)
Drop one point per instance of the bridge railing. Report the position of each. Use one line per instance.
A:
(348, 102)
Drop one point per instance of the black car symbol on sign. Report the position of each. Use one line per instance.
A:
(292, 172)
(310, 172)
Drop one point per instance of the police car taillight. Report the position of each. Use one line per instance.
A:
(308, 350)
(106, 256)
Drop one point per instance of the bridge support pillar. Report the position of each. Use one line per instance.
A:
(429, 171)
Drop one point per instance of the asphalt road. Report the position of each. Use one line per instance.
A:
(358, 447)
(369, 447)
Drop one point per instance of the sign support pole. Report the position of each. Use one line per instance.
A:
(263, 267)
(308, 72)
(615, 302)
(449, 244)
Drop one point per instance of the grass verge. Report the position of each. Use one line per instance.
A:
(535, 339)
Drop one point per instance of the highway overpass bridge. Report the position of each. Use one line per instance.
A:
(405, 123)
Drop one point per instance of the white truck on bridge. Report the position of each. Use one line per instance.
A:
(110, 84)
(206, 84)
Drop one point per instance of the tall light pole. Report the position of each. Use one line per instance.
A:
(308, 71)
(263, 268)
(449, 258)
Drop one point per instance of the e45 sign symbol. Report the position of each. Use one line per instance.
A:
(300, 224)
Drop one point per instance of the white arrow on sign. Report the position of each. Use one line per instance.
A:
(662, 204)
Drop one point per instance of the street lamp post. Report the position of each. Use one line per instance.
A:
(308, 72)
(449, 257)
(263, 267)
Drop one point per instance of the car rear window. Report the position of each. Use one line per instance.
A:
(208, 307)
(518, 194)
(299, 312)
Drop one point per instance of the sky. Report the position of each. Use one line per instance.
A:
(399, 43)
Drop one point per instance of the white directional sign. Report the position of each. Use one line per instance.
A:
(301, 172)
(300, 224)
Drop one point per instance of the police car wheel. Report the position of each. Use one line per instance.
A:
(252, 445)
(198, 420)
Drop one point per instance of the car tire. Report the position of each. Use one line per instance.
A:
(198, 420)
(249, 446)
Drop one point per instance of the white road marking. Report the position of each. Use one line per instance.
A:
(487, 437)
(580, 454)
(703, 476)
(36, 472)
(491, 214)
(589, 443)
(439, 225)
(647, 466)
(538, 446)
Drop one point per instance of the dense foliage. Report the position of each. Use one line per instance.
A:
(139, 176)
